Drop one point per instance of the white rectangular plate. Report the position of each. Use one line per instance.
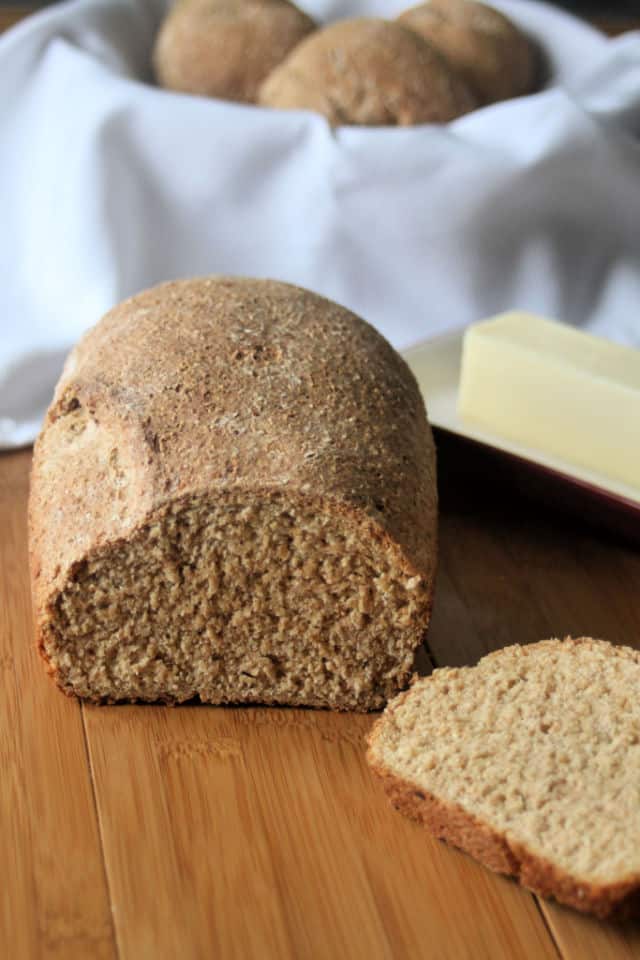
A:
(436, 366)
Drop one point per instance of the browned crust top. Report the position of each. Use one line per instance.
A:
(229, 383)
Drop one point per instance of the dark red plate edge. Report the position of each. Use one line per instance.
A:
(591, 503)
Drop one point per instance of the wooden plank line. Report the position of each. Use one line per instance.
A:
(451, 596)
(591, 591)
(543, 916)
(96, 808)
(543, 576)
(179, 819)
(18, 929)
(266, 836)
(585, 938)
(53, 902)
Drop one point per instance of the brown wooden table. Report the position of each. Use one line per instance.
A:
(197, 832)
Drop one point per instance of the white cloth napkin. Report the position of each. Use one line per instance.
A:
(109, 185)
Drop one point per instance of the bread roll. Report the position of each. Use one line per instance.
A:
(367, 71)
(529, 762)
(233, 498)
(226, 48)
(482, 45)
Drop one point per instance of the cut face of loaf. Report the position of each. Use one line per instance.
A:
(530, 762)
(233, 498)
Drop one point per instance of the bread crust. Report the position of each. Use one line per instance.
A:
(229, 385)
(493, 848)
(226, 48)
(495, 58)
(370, 72)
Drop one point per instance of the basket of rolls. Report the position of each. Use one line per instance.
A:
(421, 165)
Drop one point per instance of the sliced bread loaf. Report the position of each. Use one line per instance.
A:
(530, 762)
(233, 497)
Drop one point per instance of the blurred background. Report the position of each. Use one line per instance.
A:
(613, 16)
(609, 11)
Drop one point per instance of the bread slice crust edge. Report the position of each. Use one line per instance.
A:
(494, 849)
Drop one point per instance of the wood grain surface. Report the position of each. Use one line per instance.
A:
(53, 896)
(150, 832)
(11, 14)
(199, 831)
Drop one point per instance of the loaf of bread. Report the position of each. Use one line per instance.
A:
(368, 72)
(233, 498)
(530, 762)
(480, 44)
(226, 48)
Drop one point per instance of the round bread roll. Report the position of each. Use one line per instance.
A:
(481, 44)
(368, 71)
(226, 48)
(233, 497)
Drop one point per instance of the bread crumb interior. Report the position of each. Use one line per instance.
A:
(238, 598)
(542, 743)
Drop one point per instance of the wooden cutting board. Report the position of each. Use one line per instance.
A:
(132, 832)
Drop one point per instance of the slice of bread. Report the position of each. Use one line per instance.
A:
(530, 762)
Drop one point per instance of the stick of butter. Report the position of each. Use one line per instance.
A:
(549, 386)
